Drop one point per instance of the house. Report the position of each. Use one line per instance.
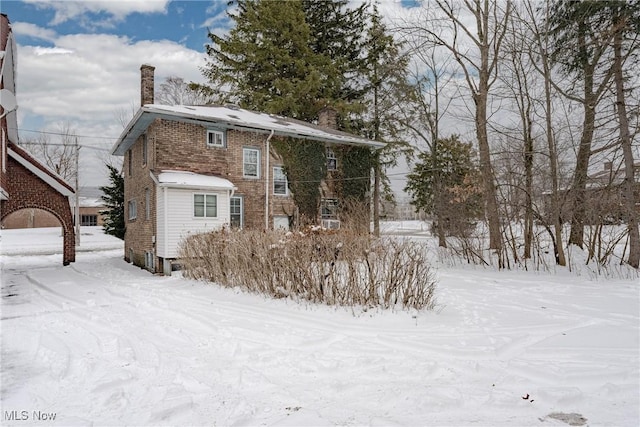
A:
(190, 169)
(26, 183)
(604, 194)
(91, 206)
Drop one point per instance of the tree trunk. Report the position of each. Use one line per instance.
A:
(625, 140)
(491, 203)
(578, 188)
(376, 195)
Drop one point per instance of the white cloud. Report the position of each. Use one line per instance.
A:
(31, 30)
(88, 80)
(68, 10)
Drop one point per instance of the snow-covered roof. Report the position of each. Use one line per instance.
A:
(229, 117)
(184, 179)
(90, 202)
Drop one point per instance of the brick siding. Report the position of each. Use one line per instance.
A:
(27, 191)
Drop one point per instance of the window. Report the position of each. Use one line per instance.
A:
(235, 211)
(130, 162)
(205, 205)
(147, 203)
(215, 138)
(133, 209)
(144, 149)
(280, 186)
(251, 163)
(149, 261)
(329, 208)
(332, 160)
(88, 220)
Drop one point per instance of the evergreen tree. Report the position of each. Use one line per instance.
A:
(114, 200)
(266, 62)
(384, 71)
(337, 33)
(453, 169)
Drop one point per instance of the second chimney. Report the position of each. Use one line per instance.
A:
(146, 84)
(328, 118)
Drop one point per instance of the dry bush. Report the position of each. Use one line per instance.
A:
(330, 267)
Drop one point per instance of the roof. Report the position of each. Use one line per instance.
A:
(228, 117)
(184, 179)
(41, 171)
(90, 202)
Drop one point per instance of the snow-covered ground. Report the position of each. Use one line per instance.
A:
(101, 342)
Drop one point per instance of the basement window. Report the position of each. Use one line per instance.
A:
(329, 208)
(149, 261)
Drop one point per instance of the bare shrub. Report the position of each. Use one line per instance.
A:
(330, 267)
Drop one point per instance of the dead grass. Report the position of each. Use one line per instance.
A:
(334, 268)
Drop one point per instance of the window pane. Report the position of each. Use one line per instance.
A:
(236, 212)
(279, 181)
(198, 205)
(251, 161)
(215, 137)
(212, 206)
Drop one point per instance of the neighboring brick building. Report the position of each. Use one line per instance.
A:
(25, 182)
(195, 168)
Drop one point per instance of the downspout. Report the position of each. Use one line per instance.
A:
(166, 221)
(266, 184)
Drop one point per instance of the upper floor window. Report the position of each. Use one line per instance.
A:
(332, 160)
(251, 163)
(133, 209)
(205, 206)
(144, 149)
(215, 138)
(280, 186)
(130, 162)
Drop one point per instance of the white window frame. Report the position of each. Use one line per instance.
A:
(331, 205)
(149, 261)
(246, 151)
(216, 133)
(132, 207)
(241, 199)
(205, 196)
(285, 181)
(332, 160)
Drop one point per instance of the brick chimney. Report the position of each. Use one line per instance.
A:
(328, 118)
(146, 84)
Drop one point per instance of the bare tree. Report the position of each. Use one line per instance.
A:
(175, 91)
(476, 49)
(539, 55)
(624, 27)
(423, 113)
(57, 150)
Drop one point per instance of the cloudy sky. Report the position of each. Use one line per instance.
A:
(79, 62)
